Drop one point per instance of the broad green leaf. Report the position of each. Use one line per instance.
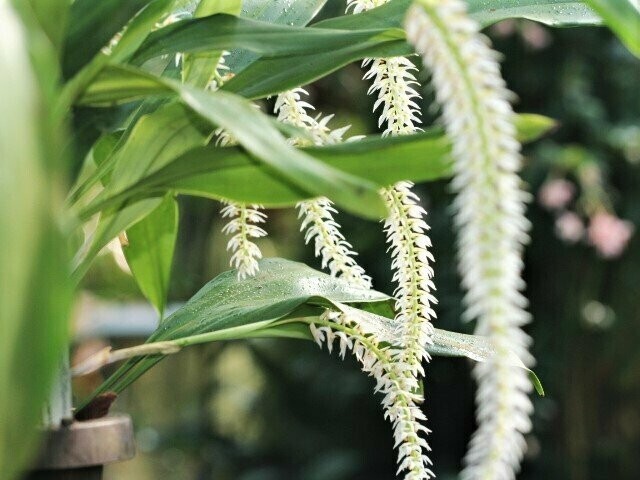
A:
(109, 227)
(259, 137)
(257, 134)
(242, 307)
(282, 293)
(223, 32)
(155, 140)
(555, 13)
(92, 24)
(269, 76)
(149, 251)
(279, 12)
(35, 293)
(231, 173)
(198, 69)
(623, 17)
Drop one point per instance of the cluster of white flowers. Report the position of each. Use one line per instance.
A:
(292, 109)
(406, 229)
(409, 245)
(317, 214)
(243, 228)
(329, 242)
(243, 218)
(401, 400)
(490, 208)
(393, 80)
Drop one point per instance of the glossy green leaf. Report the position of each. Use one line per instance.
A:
(223, 32)
(149, 251)
(198, 69)
(92, 24)
(269, 76)
(623, 17)
(555, 13)
(278, 12)
(257, 134)
(231, 173)
(269, 304)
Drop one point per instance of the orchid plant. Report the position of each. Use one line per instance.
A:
(185, 84)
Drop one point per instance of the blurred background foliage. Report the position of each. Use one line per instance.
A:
(282, 409)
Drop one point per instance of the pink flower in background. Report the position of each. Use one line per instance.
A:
(569, 227)
(609, 234)
(555, 194)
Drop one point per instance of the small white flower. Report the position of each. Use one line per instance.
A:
(242, 226)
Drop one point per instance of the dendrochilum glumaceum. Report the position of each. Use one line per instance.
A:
(243, 229)
(406, 229)
(317, 215)
(243, 219)
(490, 215)
(384, 362)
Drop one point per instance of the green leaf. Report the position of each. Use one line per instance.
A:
(269, 76)
(282, 294)
(623, 18)
(35, 292)
(92, 24)
(278, 12)
(49, 18)
(555, 13)
(109, 227)
(155, 140)
(227, 304)
(139, 28)
(149, 251)
(231, 173)
(223, 32)
(257, 134)
(198, 69)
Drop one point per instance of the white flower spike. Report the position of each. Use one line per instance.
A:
(243, 218)
(490, 215)
(400, 400)
(405, 227)
(317, 214)
(243, 229)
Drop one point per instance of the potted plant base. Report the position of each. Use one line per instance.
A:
(80, 449)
